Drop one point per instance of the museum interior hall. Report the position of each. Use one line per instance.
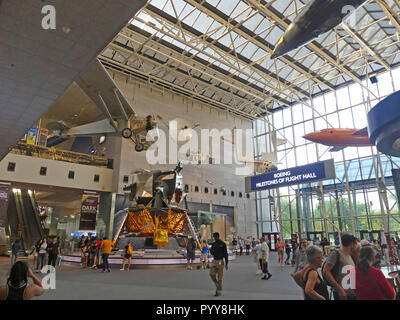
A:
(132, 132)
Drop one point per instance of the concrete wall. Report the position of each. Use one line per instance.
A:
(149, 101)
(27, 170)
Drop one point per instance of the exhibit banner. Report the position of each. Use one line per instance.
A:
(3, 205)
(299, 175)
(89, 210)
(31, 138)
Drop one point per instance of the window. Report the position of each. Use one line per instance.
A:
(71, 175)
(43, 171)
(196, 189)
(96, 178)
(247, 195)
(11, 166)
(206, 190)
(224, 192)
(186, 188)
(126, 179)
(232, 193)
(240, 195)
(215, 191)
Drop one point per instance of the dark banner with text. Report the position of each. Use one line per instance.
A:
(89, 209)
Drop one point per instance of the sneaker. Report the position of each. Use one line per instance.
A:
(217, 294)
(269, 276)
(121, 269)
(108, 270)
(264, 278)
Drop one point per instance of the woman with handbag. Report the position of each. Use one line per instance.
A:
(315, 287)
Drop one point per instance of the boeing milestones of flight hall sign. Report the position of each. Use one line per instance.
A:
(305, 174)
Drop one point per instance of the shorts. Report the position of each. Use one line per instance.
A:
(127, 256)
(204, 256)
(190, 256)
(280, 253)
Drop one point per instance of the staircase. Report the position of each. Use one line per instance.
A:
(193, 230)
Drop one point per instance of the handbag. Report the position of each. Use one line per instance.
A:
(298, 277)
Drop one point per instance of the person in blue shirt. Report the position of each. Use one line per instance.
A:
(204, 254)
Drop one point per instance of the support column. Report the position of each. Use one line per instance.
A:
(105, 218)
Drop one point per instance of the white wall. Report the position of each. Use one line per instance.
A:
(149, 101)
(27, 170)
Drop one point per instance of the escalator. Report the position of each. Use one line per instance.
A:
(24, 220)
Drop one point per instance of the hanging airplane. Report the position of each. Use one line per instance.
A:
(316, 18)
(339, 139)
(119, 116)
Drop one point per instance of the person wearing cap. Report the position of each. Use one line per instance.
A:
(338, 265)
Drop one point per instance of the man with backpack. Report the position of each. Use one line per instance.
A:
(334, 268)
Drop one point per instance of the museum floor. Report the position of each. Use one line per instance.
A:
(240, 283)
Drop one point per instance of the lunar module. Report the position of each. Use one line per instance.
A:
(155, 213)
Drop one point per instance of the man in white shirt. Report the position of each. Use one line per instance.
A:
(263, 256)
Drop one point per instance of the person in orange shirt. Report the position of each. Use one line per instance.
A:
(279, 247)
(106, 245)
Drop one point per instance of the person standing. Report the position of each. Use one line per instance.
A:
(41, 254)
(371, 284)
(256, 260)
(280, 246)
(240, 246)
(263, 256)
(220, 253)
(54, 251)
(324, 244)
(253, 243)
(301, 257)
(336, 265)
(288, 250)
(15, 249)
(97, 254)
(85, 255)
(204, 254)
(106, 245)
(191, 252)
(127, 256)
(248, 246)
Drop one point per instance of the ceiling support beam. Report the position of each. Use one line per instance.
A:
(388, 11)
(213, 12)
(365, 45)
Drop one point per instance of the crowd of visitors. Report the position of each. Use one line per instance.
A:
(348, 273)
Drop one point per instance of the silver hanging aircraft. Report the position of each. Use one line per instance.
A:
(119, 116)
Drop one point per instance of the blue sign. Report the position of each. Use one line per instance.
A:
(298, 175)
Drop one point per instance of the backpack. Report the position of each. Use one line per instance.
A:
(334, 270)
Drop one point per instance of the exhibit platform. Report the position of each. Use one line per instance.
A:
(147, 258)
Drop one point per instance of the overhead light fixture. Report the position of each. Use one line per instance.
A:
(102, 139)
(30, 192)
